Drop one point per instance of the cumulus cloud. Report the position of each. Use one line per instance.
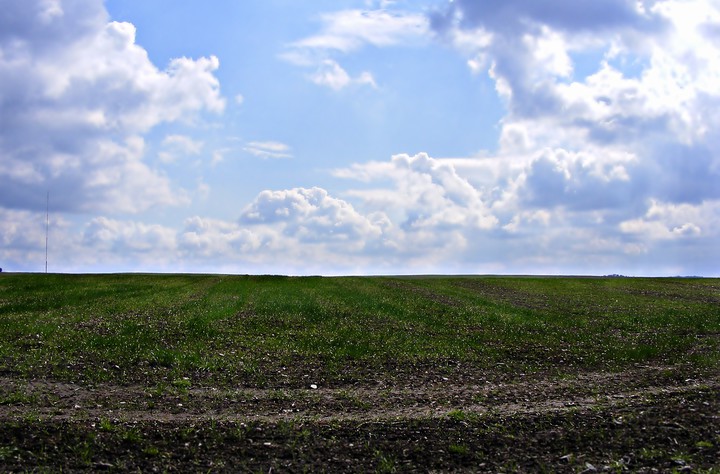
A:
(675, 221)
(530, 51)
(312, 215)
(426, 194)
(579, 181)
(123, 237)
(203, 238)
(554, 210)
(289, 231)
(22, 235)
(412, 214)
(99, 244)
(22, 241)
(608, 156)
(589, 150)
(76, 97)
(516, 16)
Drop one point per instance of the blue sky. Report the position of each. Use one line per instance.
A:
(361, 137)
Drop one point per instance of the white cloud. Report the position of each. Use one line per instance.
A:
(623, 137)
(203, 189)
(176, 146)
(600, 168)
(346, 31)
(218, 156)
(418, 215)
(22, 240)
(672, 221)
(101, 244)
(184, 144)
(21, 231)
(311, 215)
(332, 75)
(203, 238)
(128, 238)
(268, 149)
(426, 194)
(581, 181)
(77, 95)
(553, 210)
(349, 30)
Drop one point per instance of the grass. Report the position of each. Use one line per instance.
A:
(459, 449)
(16, 397)
(229, 329)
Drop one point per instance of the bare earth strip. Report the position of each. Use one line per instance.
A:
(645, 419)
(57, 401)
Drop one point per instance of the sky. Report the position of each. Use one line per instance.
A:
(360, 136)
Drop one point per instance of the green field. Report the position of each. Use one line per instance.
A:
(278, 339)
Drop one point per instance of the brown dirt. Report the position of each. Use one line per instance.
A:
(640, 420)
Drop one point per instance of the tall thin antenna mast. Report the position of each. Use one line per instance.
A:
(47, 228)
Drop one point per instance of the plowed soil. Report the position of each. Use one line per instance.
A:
(644, 419)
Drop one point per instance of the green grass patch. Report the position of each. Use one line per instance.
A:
(232, 329)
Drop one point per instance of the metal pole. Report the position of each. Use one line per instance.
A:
(47, 228)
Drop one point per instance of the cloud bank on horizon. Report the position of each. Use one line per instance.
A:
(604, 156)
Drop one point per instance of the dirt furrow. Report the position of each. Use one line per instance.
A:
(55, 401)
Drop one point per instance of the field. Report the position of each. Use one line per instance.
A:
(365, 374)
